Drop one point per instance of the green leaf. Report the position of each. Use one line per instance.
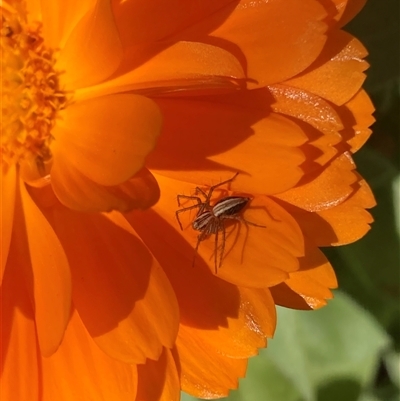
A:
(369, 397)
(340, 346)
(392, 364)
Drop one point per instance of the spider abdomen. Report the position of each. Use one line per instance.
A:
(229, 206)
(203, 220)
(225, 207)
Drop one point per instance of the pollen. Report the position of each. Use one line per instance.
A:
(30, 90)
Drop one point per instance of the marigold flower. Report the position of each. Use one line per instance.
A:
(112, 109)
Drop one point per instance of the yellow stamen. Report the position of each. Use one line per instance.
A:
(30, 90)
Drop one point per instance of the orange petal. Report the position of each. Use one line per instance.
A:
(225, 310)
(272, 43)
(19, 375)
(348, 9)
(79, 193)
(357, 117)
(305, 106)
(309, 287)
(206, 373)
(245, 332)
(341, 224)
(235, 321)
(349, 220)
(257, 257)
(120, 292)
(95, 376)
(8, 183)
(170, 67)
(93, 50)
(148, 22)
(190, 284)
(107, 138)
(219, 135)
(314, 279)
(330, 188)
(285, 296)
(337, 74)
(59, 18)
(34, 11)
(51, 278)
(159, 380)
(322, 126)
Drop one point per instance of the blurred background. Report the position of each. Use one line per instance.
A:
(350, 350)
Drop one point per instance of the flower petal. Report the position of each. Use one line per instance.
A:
(246, 331)
(285, 296)
(257, 257)
(108, 138)
(357, 117)
(18, 342)
(224, 131)
(205, 373)
(94, 375)
(59, 18)
(305, 106)
(235, 320)
(51, 278)
(330, 188)
(93, 43)
(151, 21)
(312, 282)
(8, 188)
(34, 11)
(172, 67)
(159, 380)
(119, 290)
(348, 9)
(77, 192)
(350, 220)
(341, 224)
(337, 74)
(323, 123)
(267, 156)
(289, 44)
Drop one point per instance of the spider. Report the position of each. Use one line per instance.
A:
(210, 219)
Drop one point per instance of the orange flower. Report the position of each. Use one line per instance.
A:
(107, 305)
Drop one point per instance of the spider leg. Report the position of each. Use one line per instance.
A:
(223, 243)
(251, 223)
(201, 237)
(216, 253)
(198, 189)
(241, 219)
(185, 209)
(216, 226)
(211, 190)
(196, 198)
(221, 227)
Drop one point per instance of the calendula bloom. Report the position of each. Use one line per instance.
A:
(111, 110)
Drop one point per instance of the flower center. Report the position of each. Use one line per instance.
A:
(31, 97)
